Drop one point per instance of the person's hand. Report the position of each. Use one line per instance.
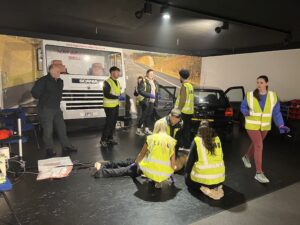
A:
(284, 129)
(246, 113)
(158, 96)
(152, 96)
(122, 98)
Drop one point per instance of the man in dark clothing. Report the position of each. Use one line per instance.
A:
(48, 90)
(112, 95)
(185, 103)
(174, 124)
(148, 93)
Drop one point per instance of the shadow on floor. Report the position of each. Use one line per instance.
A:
(147, 191)
(231, 198)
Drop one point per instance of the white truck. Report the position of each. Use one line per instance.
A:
(84, 68)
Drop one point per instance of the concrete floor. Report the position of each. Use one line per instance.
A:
(80, 199)
(277, 208)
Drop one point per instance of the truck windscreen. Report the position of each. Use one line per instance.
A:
(80, 61)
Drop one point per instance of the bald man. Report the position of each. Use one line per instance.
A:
(48, 90)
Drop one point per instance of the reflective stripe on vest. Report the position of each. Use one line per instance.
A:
(209, 169)
(156, 165)
(114, 90)
(258, 119)
(188, 107)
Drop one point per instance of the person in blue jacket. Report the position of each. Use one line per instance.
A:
(259, 108)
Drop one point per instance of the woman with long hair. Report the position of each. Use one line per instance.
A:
(205, 170)
(259, 107)
(156, 160)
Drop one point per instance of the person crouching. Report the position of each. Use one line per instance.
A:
(205, 168)
(156, 160)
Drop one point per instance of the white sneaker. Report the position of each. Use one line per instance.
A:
(246, 162)
(147, 131)
(260, 177)
(139, 132)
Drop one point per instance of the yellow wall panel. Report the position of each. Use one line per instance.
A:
(17, 60)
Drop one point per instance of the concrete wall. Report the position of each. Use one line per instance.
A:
(282, 68)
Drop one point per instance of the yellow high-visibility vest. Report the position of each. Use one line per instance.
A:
(209, 169)
(156, 165)
(169, 128)
(258, 119)
(188, 107)
(115, 89)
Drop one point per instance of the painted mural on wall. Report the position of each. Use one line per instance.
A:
(20, 66)
(165, 65)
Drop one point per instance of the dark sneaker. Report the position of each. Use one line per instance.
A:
(50, 153)
(112, 142)
(70, 149)
(98, 174)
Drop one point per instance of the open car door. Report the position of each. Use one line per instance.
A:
(235, 96)
(166, 100)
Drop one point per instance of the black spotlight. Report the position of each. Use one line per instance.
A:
(218, 30)
(147, 8)
(225, 26)
(139, 14)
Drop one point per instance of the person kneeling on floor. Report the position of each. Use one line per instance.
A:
(156, 161)
(205, 168)
(174, 125)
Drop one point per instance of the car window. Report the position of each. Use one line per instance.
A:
(235, 95)
(165, 94)
(210, 97)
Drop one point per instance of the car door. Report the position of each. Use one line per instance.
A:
(166, 100)
(235, 95)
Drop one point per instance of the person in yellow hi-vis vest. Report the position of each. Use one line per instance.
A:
(205, 168)
(156, 160)
(185, 103)
(112, 96)
(259, 107)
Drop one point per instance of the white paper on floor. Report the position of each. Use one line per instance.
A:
(57, 167)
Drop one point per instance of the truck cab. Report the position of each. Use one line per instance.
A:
(84, 68)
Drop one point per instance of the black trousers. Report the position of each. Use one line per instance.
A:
(147, 114)
(110, 123)
(119, 169)
(179, 143)
(52, 119)
(186, 130)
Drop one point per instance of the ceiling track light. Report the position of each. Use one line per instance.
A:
(165, 11)
(225, 26)
(146, 10)
(139, 14)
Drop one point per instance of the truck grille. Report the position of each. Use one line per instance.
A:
(82, 99)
